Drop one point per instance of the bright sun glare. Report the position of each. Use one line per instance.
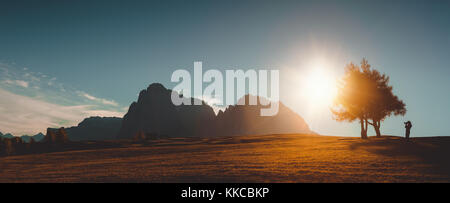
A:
(320, 84)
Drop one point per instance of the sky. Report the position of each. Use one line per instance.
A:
(62, 61)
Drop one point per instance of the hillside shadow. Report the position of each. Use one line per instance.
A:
(431, 150)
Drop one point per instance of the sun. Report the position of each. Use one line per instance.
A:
(320, 85)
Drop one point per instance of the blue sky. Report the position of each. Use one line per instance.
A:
(97, 55)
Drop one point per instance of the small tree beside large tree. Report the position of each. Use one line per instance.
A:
(364, 94)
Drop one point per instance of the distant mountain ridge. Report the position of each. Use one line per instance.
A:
(38, 137)
(7, 135)
(26, 138)
(155, 114)
(94, 128)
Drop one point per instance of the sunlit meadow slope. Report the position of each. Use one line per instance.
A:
(265, 158)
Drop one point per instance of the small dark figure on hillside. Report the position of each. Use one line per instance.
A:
(408, 126)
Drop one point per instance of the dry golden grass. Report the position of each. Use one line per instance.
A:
(265, 158)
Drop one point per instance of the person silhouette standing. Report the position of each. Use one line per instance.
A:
(408, 126)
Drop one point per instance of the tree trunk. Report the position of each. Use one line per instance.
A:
(377, 129)
(363, 129)
(376, 126)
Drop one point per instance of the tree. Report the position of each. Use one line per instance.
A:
(384, 102)
(364, 94)
(352, 100)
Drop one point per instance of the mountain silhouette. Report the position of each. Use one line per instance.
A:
(7, 135)
(25, 138)
(246, 120)
(56, 136)
(94, 128)
(155, 114)
(38, 137)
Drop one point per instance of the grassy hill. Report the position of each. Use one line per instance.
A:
(262, 158)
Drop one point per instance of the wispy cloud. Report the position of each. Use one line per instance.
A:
(101, 100)
(25, 115)
(19, 83)
(30, 102)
